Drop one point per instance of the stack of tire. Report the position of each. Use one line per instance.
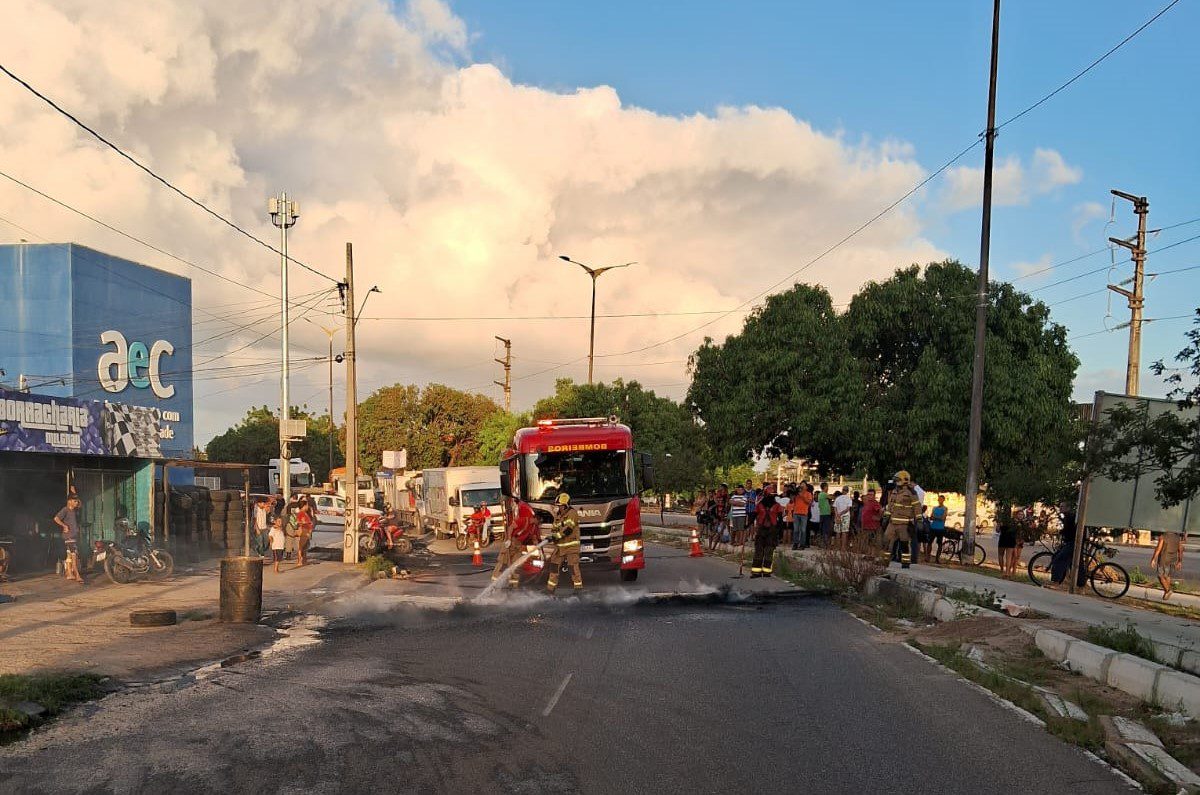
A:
(228, 520)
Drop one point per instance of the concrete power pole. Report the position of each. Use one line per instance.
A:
(283, 215)
(975, 430)
(506, 362)
(1141, 206)
(350, 548)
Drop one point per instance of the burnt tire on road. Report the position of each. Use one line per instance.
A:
(153, 618)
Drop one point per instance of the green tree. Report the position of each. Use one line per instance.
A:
(255, 440)
(785, 385)
(913, 339)
(660, 426)
(1132, 440)
(496, 434)
(438, 425)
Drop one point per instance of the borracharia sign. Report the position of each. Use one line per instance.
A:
(44, 424)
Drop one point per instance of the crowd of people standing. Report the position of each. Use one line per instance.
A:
(282, 527)
(805, 514)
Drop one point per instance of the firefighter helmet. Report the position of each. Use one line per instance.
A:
(563, 499)
(902, 477)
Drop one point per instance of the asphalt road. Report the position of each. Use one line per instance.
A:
(565, 695)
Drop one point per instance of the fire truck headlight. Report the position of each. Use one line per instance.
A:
(632, 546)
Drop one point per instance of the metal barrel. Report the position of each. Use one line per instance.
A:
(241, 589)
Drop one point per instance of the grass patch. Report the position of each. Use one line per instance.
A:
(375, 564)
(55, 692)
(1137, 577)
(803, 577)
(1088, 735)
(1124, 639)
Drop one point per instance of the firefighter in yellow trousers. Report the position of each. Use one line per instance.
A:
(902, 511)
(565, 533)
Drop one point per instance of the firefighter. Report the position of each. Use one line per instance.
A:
(903, 508)
(523, 531)
(767, 516)
(566, 543)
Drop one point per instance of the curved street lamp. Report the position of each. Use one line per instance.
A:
(595, 274)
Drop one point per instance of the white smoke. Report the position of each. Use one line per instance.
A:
(458, 187)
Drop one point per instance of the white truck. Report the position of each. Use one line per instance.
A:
(299, 473)
(451, 495)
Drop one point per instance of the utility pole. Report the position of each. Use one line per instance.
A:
(975, 432)
(284, 214)
(1141, 206)
(350, 544)
(506, 362)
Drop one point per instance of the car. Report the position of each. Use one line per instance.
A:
(330, 512)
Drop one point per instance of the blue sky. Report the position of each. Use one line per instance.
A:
(917, 73)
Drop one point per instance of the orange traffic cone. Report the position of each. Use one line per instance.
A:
(696, 551)
(477, 556)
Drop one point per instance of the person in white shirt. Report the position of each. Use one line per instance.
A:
(842, 505)
(278, 541)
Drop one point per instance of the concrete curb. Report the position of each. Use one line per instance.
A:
(1149, 681)
(1140, 749)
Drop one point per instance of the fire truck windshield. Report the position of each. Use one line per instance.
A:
(593, 475)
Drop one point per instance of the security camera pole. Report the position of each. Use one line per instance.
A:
(595, 274)
(284, 214)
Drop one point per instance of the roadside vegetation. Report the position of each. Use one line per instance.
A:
(21, 697)
(1123, 639)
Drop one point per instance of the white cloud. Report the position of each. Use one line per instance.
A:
(1031, 268)
(1082, 216)
(457, 187)
(1013, 183)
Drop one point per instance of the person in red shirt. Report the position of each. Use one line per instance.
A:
(523, 531)
(767, 518)
(870, 518)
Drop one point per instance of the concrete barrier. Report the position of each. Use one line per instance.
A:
(1135, 676)
(1090, 659)
(1178, 691)
(1054, 644)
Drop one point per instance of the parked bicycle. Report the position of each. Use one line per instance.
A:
(1109, 580)
(952, 549)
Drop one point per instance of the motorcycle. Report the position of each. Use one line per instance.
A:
(474, 531)
(132, 556)
(373, 540)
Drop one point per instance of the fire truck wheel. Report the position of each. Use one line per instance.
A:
(152, 618)
(629, 575)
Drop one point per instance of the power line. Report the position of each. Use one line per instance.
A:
(1090, 66)
(134, 238)
(1123, 325)
(64, 112)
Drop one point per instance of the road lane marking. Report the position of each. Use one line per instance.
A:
(557, 695)
(591, 631)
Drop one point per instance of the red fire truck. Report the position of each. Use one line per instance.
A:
(594, 461)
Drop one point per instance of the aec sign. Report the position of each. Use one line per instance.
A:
(133, 364)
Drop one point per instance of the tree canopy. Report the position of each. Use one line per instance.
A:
(913, 336)
(785, 385)
(438, 425)
(887, 384)
(255, 440)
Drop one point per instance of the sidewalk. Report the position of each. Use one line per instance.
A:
(58, 625)
(1079, 607)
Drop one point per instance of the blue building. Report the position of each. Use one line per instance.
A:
(96, 354)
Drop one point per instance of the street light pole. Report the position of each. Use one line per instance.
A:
(283, 215)
(595, 274)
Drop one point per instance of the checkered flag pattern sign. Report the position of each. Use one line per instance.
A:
(131, 430)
